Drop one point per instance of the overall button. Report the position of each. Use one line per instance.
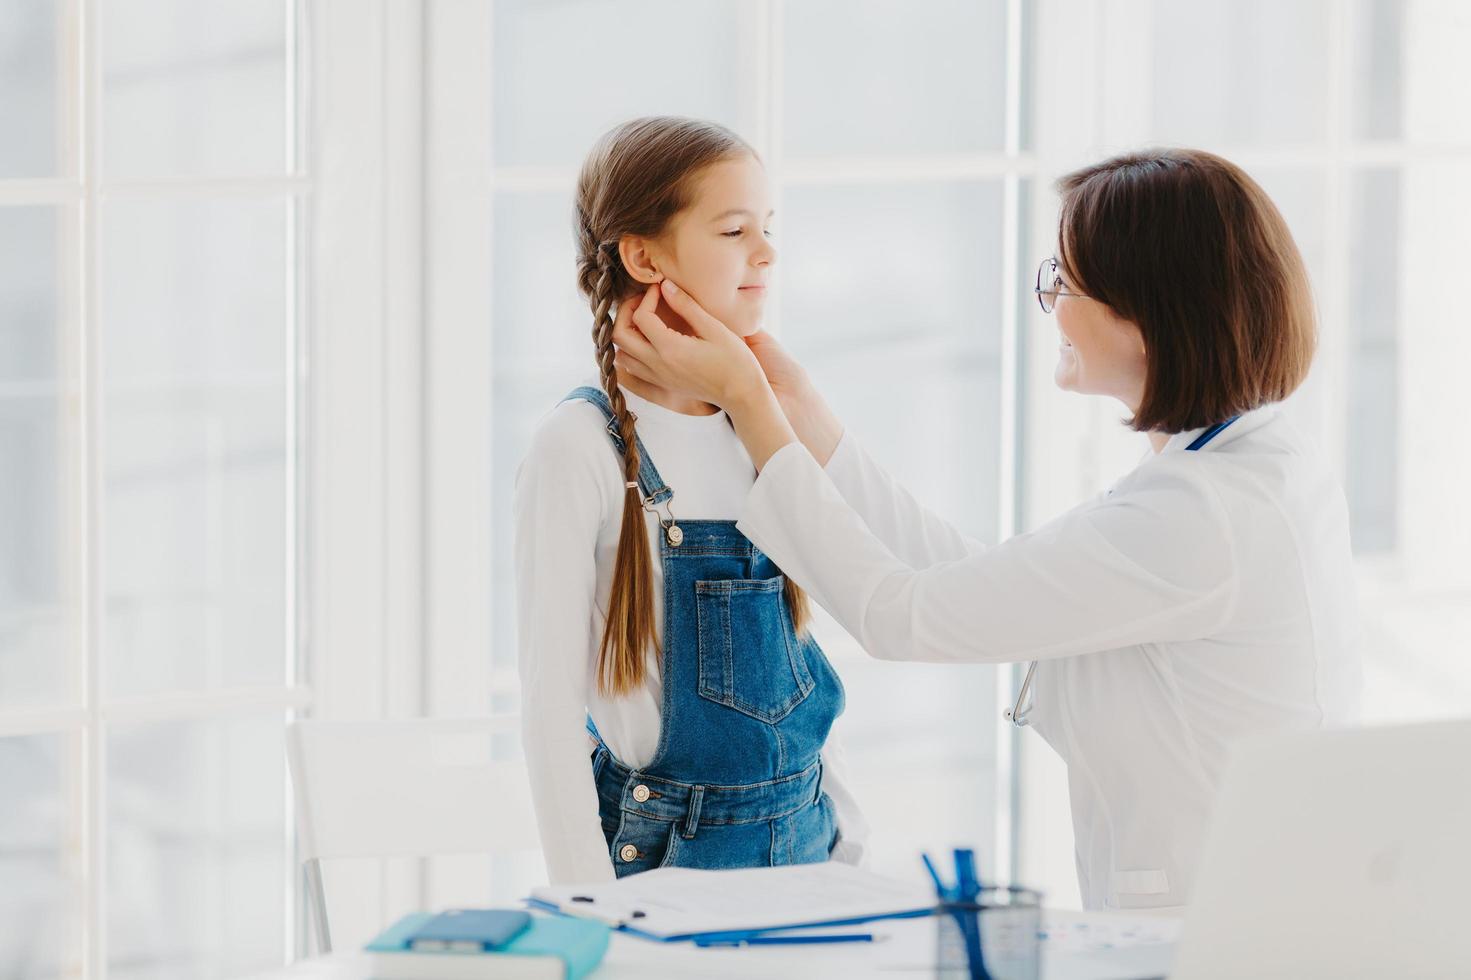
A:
(628, 852)
(641, 793)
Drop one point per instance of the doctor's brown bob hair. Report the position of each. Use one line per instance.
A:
(1187, 247)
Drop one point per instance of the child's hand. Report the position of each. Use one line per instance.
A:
(714, 365)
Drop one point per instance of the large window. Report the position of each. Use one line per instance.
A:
(149, 219)
(164, 586)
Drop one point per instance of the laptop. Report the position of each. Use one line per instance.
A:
(1340, 853)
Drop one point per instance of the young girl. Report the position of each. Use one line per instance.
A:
(676, 713)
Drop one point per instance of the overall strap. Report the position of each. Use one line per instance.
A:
(651, 484)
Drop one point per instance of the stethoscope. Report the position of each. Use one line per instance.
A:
(1017, 714)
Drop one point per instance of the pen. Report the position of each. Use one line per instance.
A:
(855, 937)
(968, 889)
(940, 888)
(965, 873)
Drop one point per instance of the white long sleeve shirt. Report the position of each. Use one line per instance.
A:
(568, 514)
(1206, 596)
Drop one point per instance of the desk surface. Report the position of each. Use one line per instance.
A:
(907, 947)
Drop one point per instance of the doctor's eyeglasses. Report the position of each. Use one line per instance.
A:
(1049, 285)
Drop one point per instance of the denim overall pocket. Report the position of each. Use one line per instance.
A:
(749, 659)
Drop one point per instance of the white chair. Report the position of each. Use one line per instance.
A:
(404, 789)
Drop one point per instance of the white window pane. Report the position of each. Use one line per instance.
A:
(1301, 197)
(1373, 395)
(882, 76)
(568, 70)
(541, 321)
(1377, 81)
(1433, 346)
(30, 270)
(41, 900)
(38, 491)
(896, 289)
(195, 365)
(193, 87)
(919, 732)
(891, 296)
(29, 85)
(1251, 71)
(541, 349)
(196, 841)
(1437, 75)
(193, 292)
(518, 405)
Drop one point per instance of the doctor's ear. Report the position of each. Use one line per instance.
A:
(638, 259)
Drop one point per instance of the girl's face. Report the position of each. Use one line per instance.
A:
(1100, 353)
(718, 249)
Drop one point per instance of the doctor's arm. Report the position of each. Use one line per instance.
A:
(1155, 564)
(1150, 565)
(913, 532)
(771, 400)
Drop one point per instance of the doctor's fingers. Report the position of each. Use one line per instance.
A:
(656, 333)
(628, 366)
(703, 324)
(623, 314)
(627, 336)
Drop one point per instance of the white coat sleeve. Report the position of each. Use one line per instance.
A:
(1152, 562)
(559, 505)
(916, 535)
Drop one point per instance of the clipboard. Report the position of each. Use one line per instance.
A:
(670, 905)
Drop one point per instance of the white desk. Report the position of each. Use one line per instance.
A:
(907, 949)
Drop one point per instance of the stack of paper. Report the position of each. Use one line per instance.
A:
(672, 904)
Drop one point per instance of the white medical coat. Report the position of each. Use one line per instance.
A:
(1205, 596)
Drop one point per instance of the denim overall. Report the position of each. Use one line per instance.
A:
(736, 779)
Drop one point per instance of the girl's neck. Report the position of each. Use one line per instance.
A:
(664, 398)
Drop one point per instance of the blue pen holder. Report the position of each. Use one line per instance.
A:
(993, 938)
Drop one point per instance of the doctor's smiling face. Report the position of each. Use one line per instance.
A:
(1100, 353)
(718, 248)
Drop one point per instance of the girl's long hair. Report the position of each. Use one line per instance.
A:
(635, 180)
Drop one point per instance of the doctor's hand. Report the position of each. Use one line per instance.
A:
(801, 402)
(788, 378)
(714, 365)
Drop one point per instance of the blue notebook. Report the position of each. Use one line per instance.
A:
(579, 945)
(469, 930)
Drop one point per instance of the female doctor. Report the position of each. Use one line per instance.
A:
(1207, 595)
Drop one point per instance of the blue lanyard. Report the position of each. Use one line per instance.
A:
(1211, 433)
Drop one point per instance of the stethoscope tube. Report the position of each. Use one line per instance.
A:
(1017, 713)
